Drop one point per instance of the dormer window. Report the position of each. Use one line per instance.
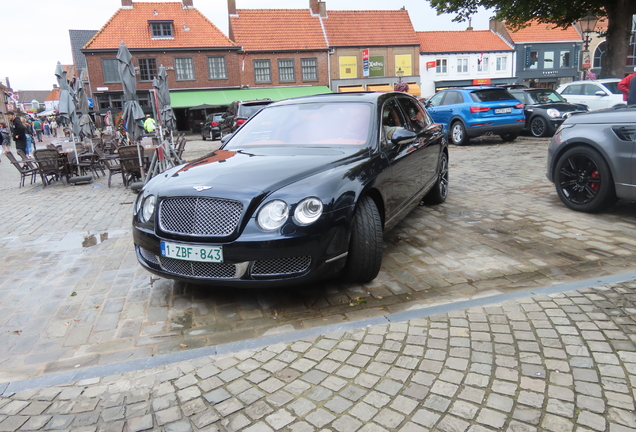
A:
(161, 29)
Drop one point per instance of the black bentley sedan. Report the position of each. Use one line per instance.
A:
(545, 110)
(303, 190)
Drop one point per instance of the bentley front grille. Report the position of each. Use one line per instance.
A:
(199, 216)
(200, 270)
(281, 266)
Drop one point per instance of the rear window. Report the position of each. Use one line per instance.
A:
(490, 95)
(248, 111)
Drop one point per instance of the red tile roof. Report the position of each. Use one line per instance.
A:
(191, 28)
(54, 95)
(541, 32)
(461, 41)
(277, 29)
(370, 28)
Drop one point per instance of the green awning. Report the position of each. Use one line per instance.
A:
(187, 99)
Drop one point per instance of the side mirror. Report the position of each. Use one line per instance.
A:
(600, 93)
(226, 138)
(403, 136)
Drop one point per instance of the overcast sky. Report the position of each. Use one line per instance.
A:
(40, 38)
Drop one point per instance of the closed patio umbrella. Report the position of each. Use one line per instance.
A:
(133, 114)
(168, 119)
(86, 125)
(67, 100)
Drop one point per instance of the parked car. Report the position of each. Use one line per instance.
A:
(468, 112)
(210, 127)
(303, 190)
(513, 86)
(591, 159)
(238, 113)
(545, 110)
(596, 94)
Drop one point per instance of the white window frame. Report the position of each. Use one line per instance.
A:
(441, 66)
(484, 62)
(184, 68)
(217, 68)
(502, 64)
(462, 65)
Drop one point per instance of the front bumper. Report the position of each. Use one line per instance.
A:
(287, 260)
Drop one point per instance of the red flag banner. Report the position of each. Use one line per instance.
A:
(430, 64)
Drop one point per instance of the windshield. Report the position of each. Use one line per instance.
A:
(314, 124)
(247, 111)
(545, 96)
(612, 86)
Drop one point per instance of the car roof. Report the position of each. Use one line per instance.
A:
(473, 88)
(343, 97)
(599, 81)
(531, 89)
(256, 102)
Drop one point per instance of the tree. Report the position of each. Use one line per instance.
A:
(518, 13)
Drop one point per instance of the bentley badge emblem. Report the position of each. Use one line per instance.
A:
(202, 188)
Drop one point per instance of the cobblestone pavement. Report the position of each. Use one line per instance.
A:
(559, 363)
(73, 296)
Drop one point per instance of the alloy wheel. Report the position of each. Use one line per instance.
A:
(580, 179)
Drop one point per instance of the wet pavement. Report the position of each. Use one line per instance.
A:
(72, 295)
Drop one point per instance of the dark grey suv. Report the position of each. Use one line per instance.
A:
(591, 159)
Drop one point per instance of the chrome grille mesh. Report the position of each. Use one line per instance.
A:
(148, 256)
(199, 216)
(281, 266)
(198, 269)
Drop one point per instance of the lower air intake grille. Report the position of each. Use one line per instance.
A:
(198, 269)
(148, 256)
(281, 266)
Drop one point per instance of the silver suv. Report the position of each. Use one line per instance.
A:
(590, 159)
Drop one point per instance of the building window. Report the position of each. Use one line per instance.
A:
(502, 64)
(262, 71)
(598, 55)
(564, 57)
(532, 57)
(548, 60)
(161, 30)
(286, 70)
(216, 68)
(441, 66)
(309, 69)
(462, 65)
(110, 70)
(482, 64)
(184, 68)
(147, 69)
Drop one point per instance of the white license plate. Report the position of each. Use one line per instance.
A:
(503, 110)
(213, 254)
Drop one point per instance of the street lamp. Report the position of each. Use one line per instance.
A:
(588, 24)
(399, 73)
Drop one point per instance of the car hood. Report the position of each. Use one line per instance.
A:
(224, 173)
(561, 106)
(606, 116)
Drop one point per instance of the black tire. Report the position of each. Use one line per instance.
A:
(538, 126)
(457, 133)
(584, 181)
(203, 136)
(509, 137)
(438, 194)
(365, 247)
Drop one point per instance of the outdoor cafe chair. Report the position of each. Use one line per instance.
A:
(25, 171)
(49, 165)
(129, 161)
(25, 159)
(81, 165)
(112, 164)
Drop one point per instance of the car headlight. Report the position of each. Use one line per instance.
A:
(308, 211)
(553, 112)
(137, 206)
(148, 208)
(273, 215)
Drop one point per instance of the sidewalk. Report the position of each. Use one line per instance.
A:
(541, 360)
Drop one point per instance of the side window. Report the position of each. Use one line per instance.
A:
(417, 117)
(453, 98)
(574, 89)
(591, 89)
(436, 100)
(392, 120)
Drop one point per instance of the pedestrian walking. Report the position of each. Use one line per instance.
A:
(54, 127)
(47, 127)
(628, 87)
(29, 133)
(4, 139)
(18, 131)
(38, 128)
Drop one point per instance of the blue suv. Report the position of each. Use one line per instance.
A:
(468, 112)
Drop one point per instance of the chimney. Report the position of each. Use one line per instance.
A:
(231, 7)
(187, 4)
(127, 4)
(322, 7)
(313, 6)
(499, 28)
